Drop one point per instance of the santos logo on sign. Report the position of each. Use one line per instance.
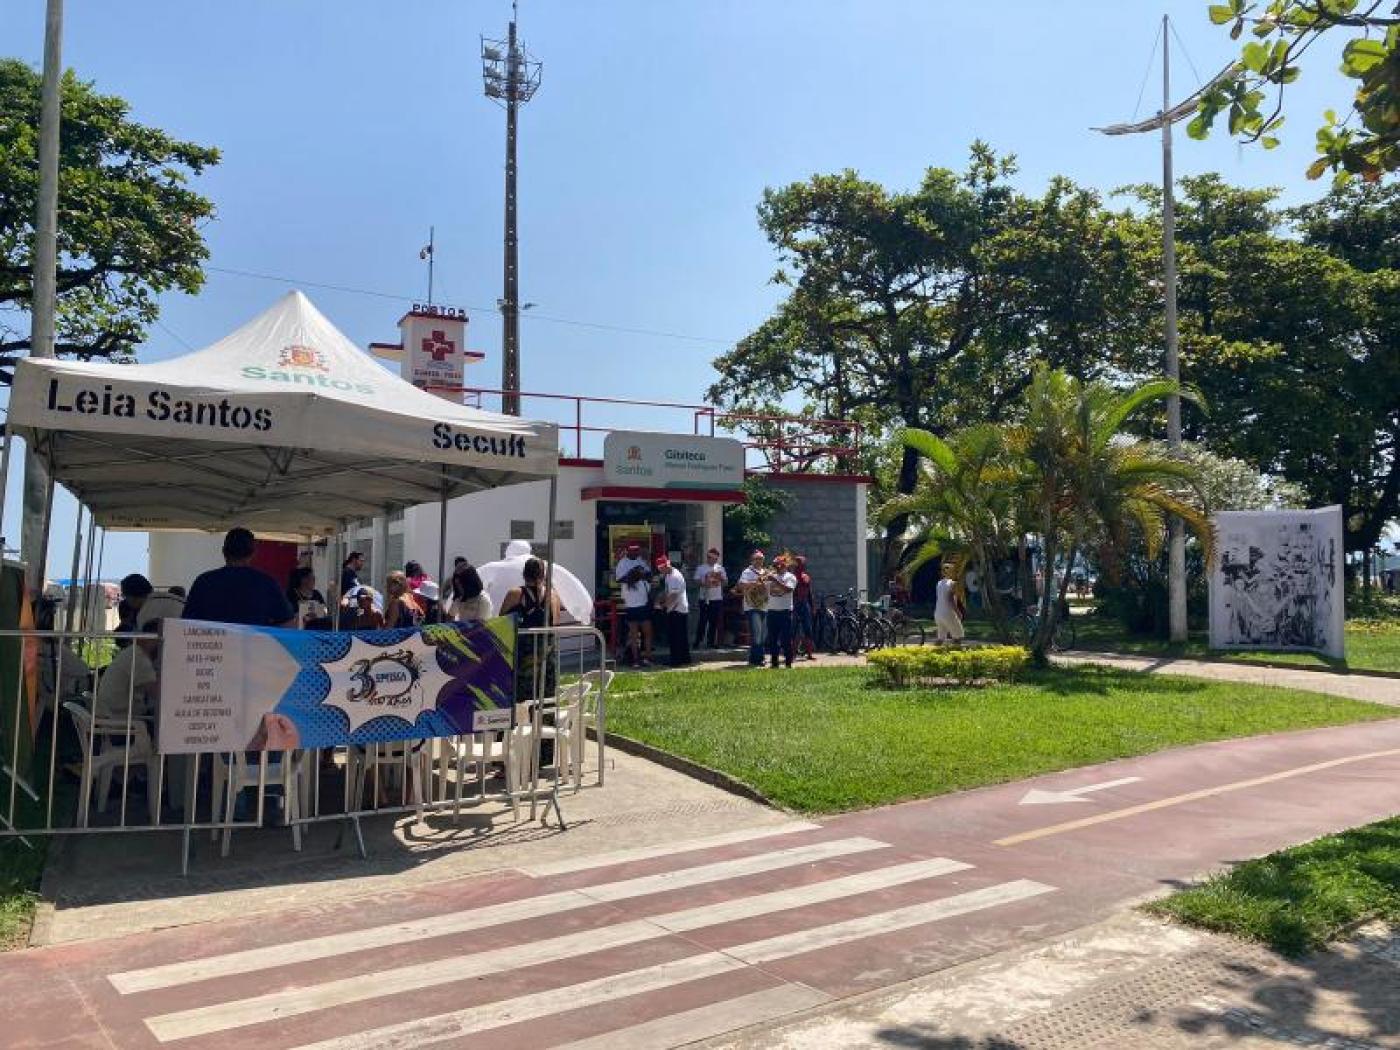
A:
(672, 461)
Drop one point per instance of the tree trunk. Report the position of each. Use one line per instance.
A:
(1045, 627)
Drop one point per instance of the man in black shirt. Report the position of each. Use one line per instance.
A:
(350, 572)
(239, 593)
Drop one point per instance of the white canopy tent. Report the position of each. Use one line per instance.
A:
(283, 426)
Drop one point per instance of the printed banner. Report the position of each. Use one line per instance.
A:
(225, 687)
(1277, 581)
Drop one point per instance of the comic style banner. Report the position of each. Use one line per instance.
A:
(224, 687)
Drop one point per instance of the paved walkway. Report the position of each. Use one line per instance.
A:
(662, 944)
(1359, 687)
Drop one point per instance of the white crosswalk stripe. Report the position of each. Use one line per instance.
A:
(254, 959)
(460, 1023)
(669, 849)
(233, 995)
(292, 1002)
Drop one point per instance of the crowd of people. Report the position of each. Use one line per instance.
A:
(777, 602)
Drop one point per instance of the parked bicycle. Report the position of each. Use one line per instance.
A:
(1062, 637)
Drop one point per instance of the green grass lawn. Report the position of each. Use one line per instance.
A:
(826, 739)
(1371, 645)
(1299, 899)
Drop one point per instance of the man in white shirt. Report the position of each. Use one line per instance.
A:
(634, 577)
(676, 605)
(753, 585)
(781, 584)
(712, 579)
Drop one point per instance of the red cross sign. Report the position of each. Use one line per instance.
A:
(438, 346)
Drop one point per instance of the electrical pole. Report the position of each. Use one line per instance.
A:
(1171, 365)
(511, 76)
(38, 488)
(1176, 535)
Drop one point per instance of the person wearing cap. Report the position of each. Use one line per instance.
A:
(634, 577)
(753, 587)
(675, 604)
(781, 584)
(712, 578)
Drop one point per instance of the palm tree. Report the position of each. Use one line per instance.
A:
(1084, 476)
(1067, 472)
(964, 506)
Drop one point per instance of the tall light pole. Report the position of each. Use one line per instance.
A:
(511, 76)
(1163, 121)
(34, 533)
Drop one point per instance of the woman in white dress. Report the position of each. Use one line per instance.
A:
(945, 610)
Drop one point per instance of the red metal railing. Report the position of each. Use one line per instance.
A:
(779, 443)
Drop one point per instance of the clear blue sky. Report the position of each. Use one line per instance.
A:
(349, 127)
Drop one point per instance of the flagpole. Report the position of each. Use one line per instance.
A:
(431, 256)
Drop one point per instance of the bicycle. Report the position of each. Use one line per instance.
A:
(1062, 637)
(906, 631)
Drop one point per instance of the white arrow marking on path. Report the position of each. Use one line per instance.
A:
(1036, 797)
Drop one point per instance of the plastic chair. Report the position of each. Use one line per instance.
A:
(398, 756)
(476, 752)
(110, 744)
(567, 707)
(591, 715)
(230, 779)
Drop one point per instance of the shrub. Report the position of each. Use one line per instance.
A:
(930, 665)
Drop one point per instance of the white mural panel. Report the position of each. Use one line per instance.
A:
(1277, 581)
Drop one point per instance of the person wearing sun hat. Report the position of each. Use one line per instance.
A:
(634, 577)
(676, 606)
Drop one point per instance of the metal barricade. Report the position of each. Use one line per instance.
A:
(114, 738)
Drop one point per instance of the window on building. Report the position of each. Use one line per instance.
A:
(522, 529)
(563, 530)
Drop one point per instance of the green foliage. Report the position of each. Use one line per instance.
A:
(1299, 899)
(926, 308)
(925, 665)
(746, 524)
(129, 226)
(1366, 141)
(1290, 328)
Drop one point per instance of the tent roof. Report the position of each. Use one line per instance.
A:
(284, 426)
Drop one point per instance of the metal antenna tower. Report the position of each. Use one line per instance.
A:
(511, 76)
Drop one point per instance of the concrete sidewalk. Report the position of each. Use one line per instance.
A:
(1129, 982)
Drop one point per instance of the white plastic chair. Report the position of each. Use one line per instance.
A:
(566, 731)
(231, 779)
(393, 758)
(591, 713)
(475, 752)
(110, 744)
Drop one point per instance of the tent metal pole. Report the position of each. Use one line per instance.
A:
(338, 567)
(442, 538)
(40, 570)
(4, 482)
(101, 560)
(87, 575)
(71, 612)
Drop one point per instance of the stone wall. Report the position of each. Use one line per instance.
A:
(819, 521)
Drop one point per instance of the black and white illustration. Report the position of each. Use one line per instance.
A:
(1277, 581)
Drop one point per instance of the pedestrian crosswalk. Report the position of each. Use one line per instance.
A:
(683, 943)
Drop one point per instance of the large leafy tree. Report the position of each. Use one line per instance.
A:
(926, 308)
(128, 221)
(1291, 330)
(1365, 138)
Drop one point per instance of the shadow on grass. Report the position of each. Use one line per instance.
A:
(1088, 678)
(1297, 900)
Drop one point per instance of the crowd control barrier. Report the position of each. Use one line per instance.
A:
(80, 750)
